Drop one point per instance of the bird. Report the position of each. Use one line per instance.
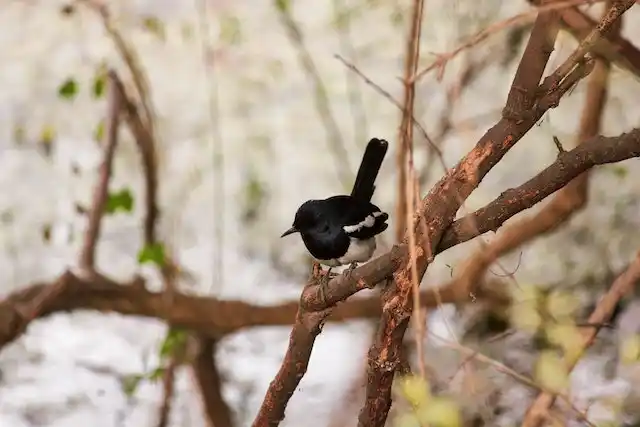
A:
(342, 229)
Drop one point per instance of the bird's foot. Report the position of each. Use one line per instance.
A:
(324, 282)
(350, 270)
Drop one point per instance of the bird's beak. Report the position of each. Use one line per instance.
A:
(289, 231)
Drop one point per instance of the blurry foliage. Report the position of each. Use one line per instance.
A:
(98, 133)
(153, 253)
(129, 384)
(230, 30)
(99, 81)
(174, 340)
(254, 197)
(551, 371)
(619, 171)
(68, 89)
(630, 350)
(119, 201)
(186, 30)
(283, 5)
(19, 134)
(434, 411)
(47, 137)
(155, 26)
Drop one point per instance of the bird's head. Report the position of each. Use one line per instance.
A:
(306, 218)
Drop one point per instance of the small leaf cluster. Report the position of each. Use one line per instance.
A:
(552, 315)
(426, 409)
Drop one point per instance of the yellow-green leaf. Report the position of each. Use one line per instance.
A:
(525, 317)
(48, 134)
(552, 372)
(68, 89)
(407, 420)
(562, 305)
(630, 349)
(566, 336)
(174, 339)
(440, 412)
(153, 253)
(129, 384)
(230, 30)
(282, 5)
(415, 389)
(155, 26)
(99, 82)
(121, 200)
(98, 133)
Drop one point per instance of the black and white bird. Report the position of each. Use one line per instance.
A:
(341, 230)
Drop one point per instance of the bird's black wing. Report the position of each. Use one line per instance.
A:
(356, 218)
(364, 185)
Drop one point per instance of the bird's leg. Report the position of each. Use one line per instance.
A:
(350, 270)
(323, 285)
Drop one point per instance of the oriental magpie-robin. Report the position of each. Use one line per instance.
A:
(341, 229)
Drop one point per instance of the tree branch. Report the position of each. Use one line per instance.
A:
(209, 380)
(596, 151)
(101, 192)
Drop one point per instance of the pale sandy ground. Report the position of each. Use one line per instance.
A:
(65, 371)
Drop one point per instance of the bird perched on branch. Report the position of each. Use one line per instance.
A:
(341, 230)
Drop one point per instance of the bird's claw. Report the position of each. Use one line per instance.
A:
(323, 286)
(350, 270)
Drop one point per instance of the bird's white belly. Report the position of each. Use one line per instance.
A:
(359, 251)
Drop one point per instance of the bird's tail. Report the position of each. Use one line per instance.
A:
(364, 185)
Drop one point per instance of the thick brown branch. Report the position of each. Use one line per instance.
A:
(597, 151)
(613, 47)
(204, 315)
(438, 210)
(101, 192)
(210, 383)
(168, 384)
(439, 207)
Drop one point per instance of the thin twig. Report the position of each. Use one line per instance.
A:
(323, 104)
(101, 191)
(342, 19)
(519, 19)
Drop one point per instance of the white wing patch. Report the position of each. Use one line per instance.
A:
(369, 221)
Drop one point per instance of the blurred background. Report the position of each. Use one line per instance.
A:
(254, 114)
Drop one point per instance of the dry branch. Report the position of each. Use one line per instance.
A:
(440, 206)
(208, 377)
(438, 210)
(101, 192)
(596, 151)
(613, 47)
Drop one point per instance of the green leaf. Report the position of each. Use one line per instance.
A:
(69, 89)
(620, 171)
(98, 133)
(282, 5)
(440, 412)
(121, 200)
(99, 82)
(230, 30)
(153, 253)
(129, 384)
(174, 340)
(157, 373)
(155, 26)
(415, 389)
